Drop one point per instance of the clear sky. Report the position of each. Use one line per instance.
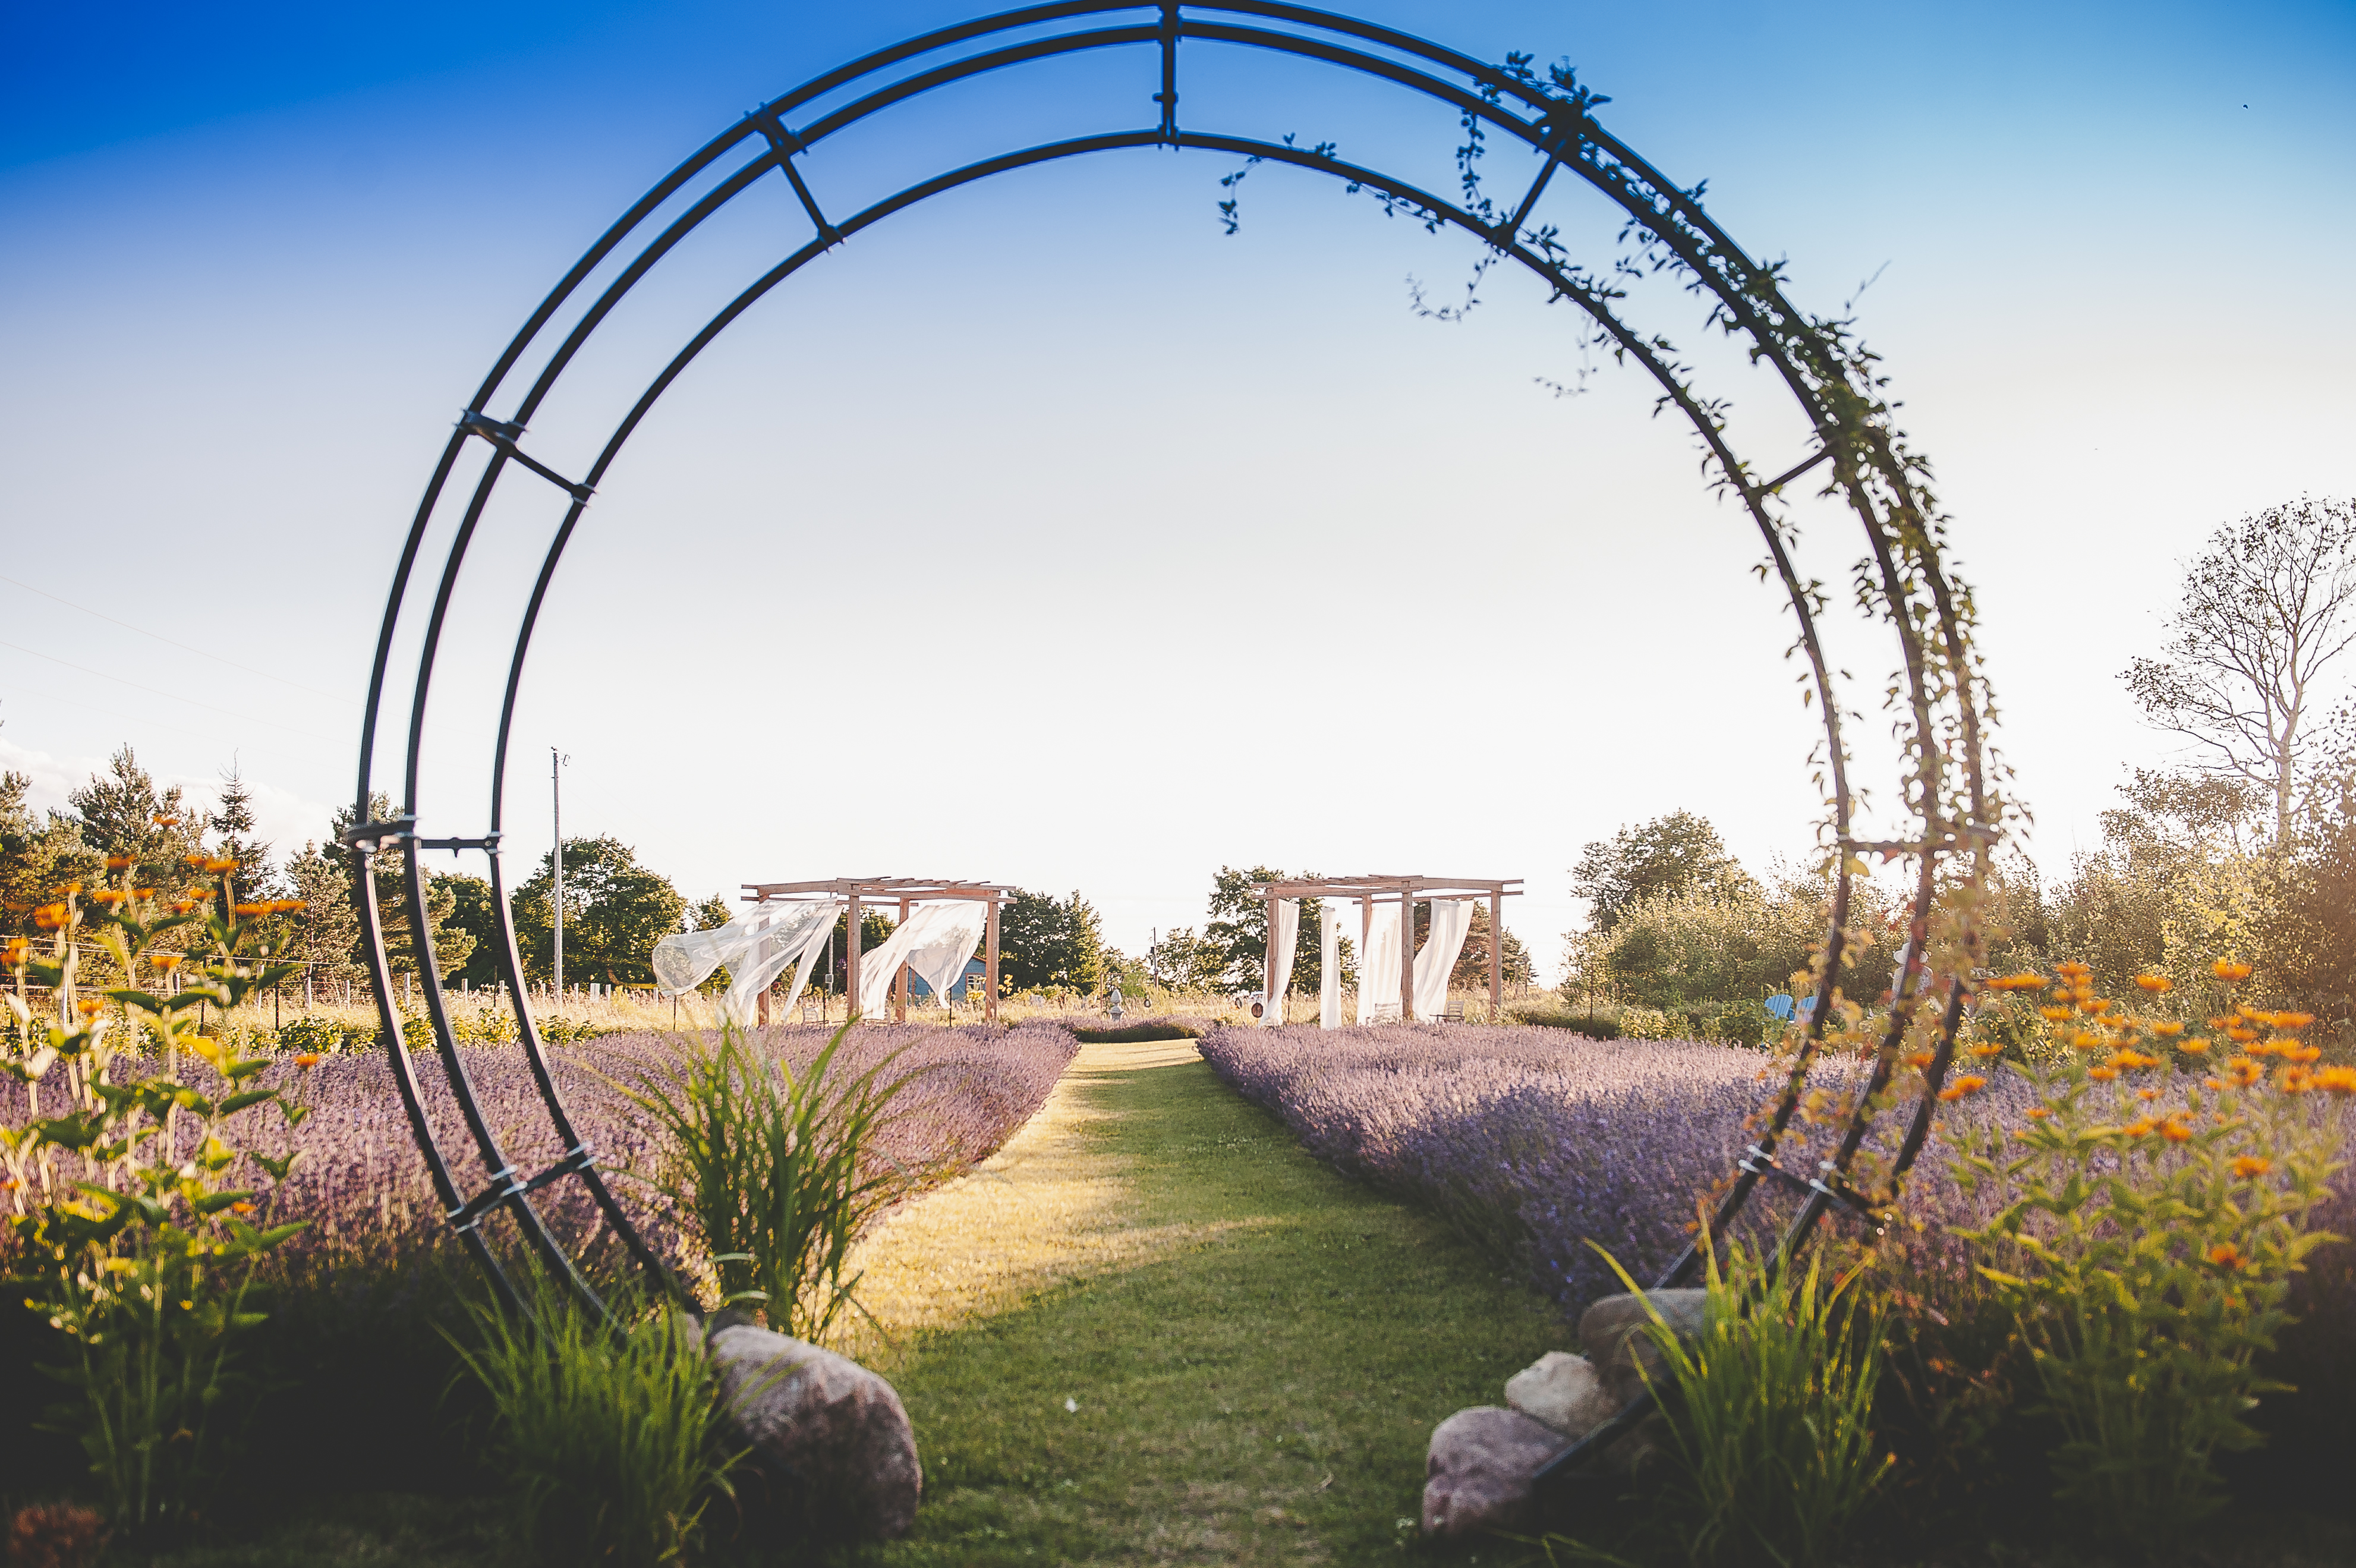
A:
(1049, 534)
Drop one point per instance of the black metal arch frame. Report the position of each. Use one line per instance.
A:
(1939, 693)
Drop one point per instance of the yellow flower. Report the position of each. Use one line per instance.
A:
(2168, 1030)
(2194, 1047)
(2249, 1165)
(2227, 969)
(89, 1006)
(2023, 981)
(1968, 1084)
(49, 916)
(2336, 1080)
(2155, 982)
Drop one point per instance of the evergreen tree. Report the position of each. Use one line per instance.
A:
(121, 812)
(326, 933)
(451, 946)
(233, 820)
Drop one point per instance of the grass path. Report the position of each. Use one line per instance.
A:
(1151, 1329)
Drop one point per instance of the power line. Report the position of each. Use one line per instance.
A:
(174, 643)
(159, 691)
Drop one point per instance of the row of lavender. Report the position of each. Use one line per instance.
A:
(370, 1207)
(1537, 1141)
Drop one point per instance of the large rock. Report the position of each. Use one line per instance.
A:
(828, 1434)
(1612, 1332)
(1480, 1469)
(1563, 1392)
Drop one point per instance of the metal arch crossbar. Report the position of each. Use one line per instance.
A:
(1958, 815)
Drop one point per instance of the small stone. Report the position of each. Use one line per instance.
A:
(827, 1433)
(1563, 1392)
(1611, 1333)
(1480, 1472)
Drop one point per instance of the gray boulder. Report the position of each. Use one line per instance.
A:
(823, 1429)
(1613, 1333)
(1563, 1392)
(1479, 1472)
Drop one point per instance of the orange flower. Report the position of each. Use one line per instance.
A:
(2336, 1080)
(217, 864)
(1919, 1059)
(2241, 1033)
(2227, 1256)
(17, 948)
(2167, 1031)
(2102, 1074)
(2249, 1165)
(143, 893)
(49, 916)
(2073, 969)
(2292, 1051)
(2244, 1071)
(249, 912)
(2054, 1014)
(110, 896)
(307, 1061)
(2226, 968)
(2039, 1112)
(2132, 1059)
(241, 1207)
(167, 822)
(89, 1006)
(2147, 1095)
(120, 863)
(2094, 1004)
(166, 961)
(2194, 1047)
(196, 861)
(182, 906)
(2023, 981)
(2139, 1127)
(2292, 1020)
(1968, 1084)
(288, 906)
(1985, 1050)
(2155, 982)
(2176, 1130)
(2297, 1081)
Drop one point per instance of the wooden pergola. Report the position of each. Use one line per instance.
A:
(906, 891)
(1406, 892)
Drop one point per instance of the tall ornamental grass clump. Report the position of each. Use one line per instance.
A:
(2155, 1204)
(1772, 1444)
(611, 1433)
(776, 1173)
(130, 1241)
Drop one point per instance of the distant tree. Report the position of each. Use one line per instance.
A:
(35, 856)
(1471, 971)
(1236, 937)
(1043, 940)
(325, 934)
(615, 912)
(233, 820)
(121, 811)
(2266, 608)
(474, 909)
(1181, 961)
(1676, 856)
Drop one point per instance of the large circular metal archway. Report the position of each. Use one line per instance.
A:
(1938, 697)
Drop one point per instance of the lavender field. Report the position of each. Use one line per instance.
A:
(371, 1210)
(1534, 1141)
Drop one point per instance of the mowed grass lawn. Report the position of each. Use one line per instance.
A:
(1152, 1330)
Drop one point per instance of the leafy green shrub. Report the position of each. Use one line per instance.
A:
(1138, 1033)
(311, 1032)
(1771, 1412)
(1745, 1023)
(1651, 1024)
(775, 1175)
(611, 1433)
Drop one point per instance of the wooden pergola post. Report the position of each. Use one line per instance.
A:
(990, 966)
(900, 980)
(1496, 956)
(851, 964)
(1407, 955)
(1269, 1003)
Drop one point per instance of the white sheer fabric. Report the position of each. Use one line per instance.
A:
(755, 947)
(1378, 969)
(1329, 952)
(1286, 912)
(935, 940)
(1443, 944)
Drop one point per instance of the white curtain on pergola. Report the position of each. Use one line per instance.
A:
(1329, 954)
(1378, 968)
(1443, 944)
(756, 948)
(1286, 913)
(935, 940)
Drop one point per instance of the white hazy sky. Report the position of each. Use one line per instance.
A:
(1048, 534)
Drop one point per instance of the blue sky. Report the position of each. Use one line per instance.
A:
(1050, 535)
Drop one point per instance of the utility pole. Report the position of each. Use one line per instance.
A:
(556, 814)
